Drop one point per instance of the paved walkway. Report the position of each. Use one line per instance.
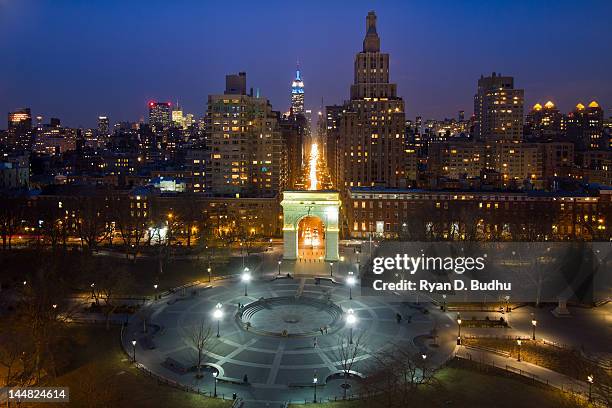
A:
(575, 331)
(278, 368)
(541, 374)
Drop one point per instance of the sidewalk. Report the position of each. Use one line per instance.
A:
(538, 373)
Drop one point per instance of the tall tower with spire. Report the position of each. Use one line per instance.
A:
(297, 93)
(371, 150)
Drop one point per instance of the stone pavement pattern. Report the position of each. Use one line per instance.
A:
(279, 368)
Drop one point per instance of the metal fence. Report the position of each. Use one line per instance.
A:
(175, 384)
(565, 388)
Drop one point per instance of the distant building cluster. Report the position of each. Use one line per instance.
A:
(241, 154)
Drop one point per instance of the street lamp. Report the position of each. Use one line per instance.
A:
(444, 302)
(458, 330)
(155, 287)
(314, 381)
(534, 322)
(209, 274)
(134, 350)
(92, 289)
(279, 265)
(215, 374)
(350, 280)
(246, 277)
(590, 380)
(351, 319)
(218, 314)
(242, 254)
(519, 342)
(331, 269)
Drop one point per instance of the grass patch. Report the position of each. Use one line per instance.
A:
(464, 384)
(99, 376)
(561, 360)
(81, 269)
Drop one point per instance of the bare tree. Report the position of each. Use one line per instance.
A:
(190, 213)
(131, 225)
(11, 213)
(110, 282)
(200, 337)
(346, 354)
(92, 224)
(400, 370)
(14, 347)
(52, 220)
(42, 313)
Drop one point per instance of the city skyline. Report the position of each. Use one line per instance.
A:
(331, 224)
(429, 88)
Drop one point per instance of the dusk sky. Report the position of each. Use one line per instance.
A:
(78, 59)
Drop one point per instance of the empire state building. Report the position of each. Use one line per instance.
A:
(297, 93)
(371, 147)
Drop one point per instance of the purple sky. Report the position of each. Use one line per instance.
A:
(78, 59)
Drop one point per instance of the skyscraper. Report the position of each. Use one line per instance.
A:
(235, 84)
(333, 114)
(371, 139)
(543, 122)
(297, 93)
(177, 116)
(243, 143)
(103, 126)
(585, 127)
(294, 130)
(20, 133)
(498, 109)
(160, 116)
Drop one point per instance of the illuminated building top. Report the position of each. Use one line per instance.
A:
(297, 93)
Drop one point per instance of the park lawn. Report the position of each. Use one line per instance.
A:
(176, 272)
(99, 375)
(142, 274)
(461, 385)
(561, 360)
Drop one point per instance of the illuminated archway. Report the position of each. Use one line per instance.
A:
(321, 205)
(311, 237)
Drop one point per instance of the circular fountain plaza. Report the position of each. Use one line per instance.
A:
(284, 332)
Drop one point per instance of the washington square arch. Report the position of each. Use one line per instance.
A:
(322, 210)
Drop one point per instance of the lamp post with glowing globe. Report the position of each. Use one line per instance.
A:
(246, 277)
(315, 380)
(351, 320)
(134, 350)
(458, 330)
(218, 314)
(350, 281)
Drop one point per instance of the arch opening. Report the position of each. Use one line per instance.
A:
(311, 238)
